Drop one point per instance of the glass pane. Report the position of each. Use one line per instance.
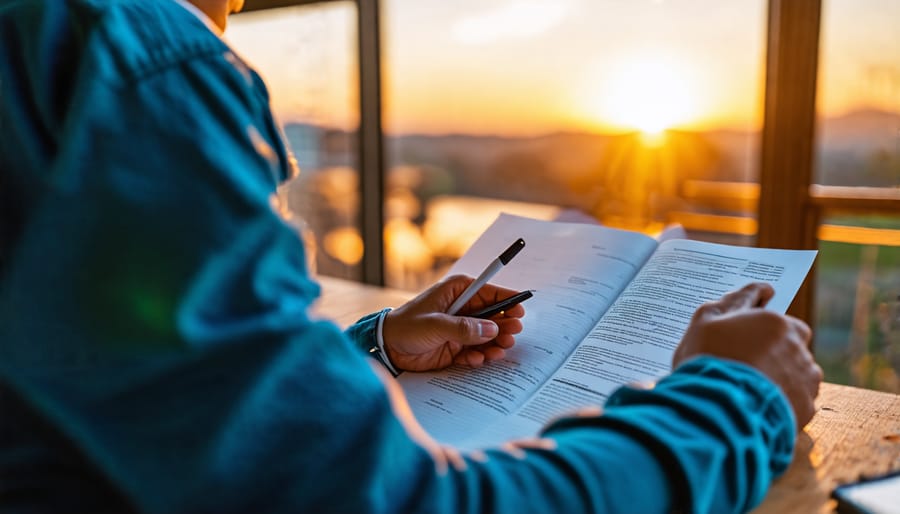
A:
(858, 132)
(307, 56)
(858, 145)
(858, 301)
(637, 114)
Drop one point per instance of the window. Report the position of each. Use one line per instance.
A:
(307, 55)
(638, 113)
(769, 122)
(857, 172)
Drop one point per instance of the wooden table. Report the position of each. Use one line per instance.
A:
(855, 433)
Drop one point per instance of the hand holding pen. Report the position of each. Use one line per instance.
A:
(422, 335)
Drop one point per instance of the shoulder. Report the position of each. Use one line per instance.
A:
(62, 59)
(117, 40)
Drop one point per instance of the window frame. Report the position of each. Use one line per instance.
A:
(370, 151)
(791, 208)
(788, 136)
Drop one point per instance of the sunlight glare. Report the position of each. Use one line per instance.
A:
(650, 93)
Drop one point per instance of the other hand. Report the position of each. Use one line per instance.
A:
(420, 336)
(736, 327)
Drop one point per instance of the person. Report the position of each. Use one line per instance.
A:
(157, 350)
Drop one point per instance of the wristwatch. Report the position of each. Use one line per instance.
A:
(378, 354)
(377, 351)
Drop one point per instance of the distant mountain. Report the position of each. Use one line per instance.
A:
(540, 165)
(861, 148)
(860, 131)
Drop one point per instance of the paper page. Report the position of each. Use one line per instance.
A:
(577, 271)
(637, 336)
(672, 231)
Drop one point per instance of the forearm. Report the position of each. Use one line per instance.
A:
(721, 429)
(709, 438)
(313, 423)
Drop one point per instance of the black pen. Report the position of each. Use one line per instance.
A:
(502, 305)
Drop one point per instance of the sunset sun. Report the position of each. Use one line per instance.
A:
(649, 93)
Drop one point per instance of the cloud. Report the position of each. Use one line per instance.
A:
(516, 19)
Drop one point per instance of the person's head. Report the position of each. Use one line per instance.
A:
(218, 10)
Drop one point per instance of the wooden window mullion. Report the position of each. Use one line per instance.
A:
(788, 132)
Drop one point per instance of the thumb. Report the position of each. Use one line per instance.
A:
(756, 294)
(466, 331)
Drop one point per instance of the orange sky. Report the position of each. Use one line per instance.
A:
(536, 66)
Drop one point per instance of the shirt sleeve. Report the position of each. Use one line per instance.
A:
(181, 360)
(364, 333)
(720, 430)
(709, 438)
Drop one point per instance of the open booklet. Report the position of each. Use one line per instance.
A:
(610, 307)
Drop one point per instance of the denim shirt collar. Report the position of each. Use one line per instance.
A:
(191, 8)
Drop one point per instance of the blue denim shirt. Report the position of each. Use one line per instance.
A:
(156, 348)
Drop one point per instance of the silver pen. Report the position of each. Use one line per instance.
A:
(492, 269)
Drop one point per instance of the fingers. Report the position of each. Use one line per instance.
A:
(456, 284)
(736, 327)
(756, 294)
(447, 291)
(476, 357)
(492, 293)
(505, 341)
(453, 286)
(464, 330)
(473, 359)
(801, 375)
(516, 311)
(473, 331)
(801, 329)
(420, 336)
(818, 377)
(804, 400)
